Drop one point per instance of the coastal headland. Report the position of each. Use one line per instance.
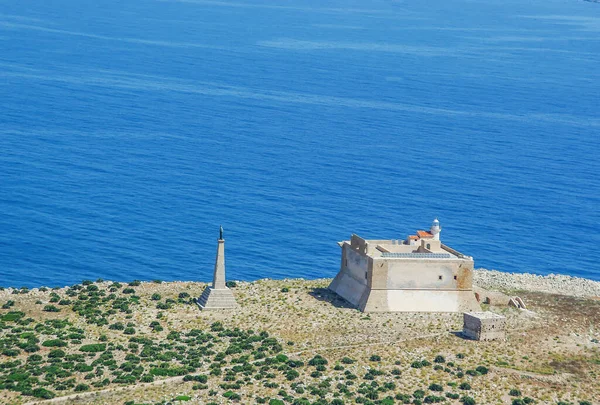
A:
(293, 342)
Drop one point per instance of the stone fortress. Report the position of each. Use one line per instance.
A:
(418, 274)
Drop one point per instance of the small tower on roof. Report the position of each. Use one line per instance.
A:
(436, 229)
(218, 296)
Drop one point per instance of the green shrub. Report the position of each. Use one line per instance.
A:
(129, 331)
(482, 370)
(464, 386)
(34, 358)
(147, 378)
(11, 352)
(347, 360)
(8, 304)
(276, 402)
(317, 360)
(375, 358)
(514, 392)
(51, 308)
(163, 305)
(42, 393)
(467, 400)
(82, 387)
(56, 354)
(231, 284)
(54, 343)
(12, 316)
(93, 348)
(436, 387)
(31, 348)
(155, 297)
(439, 359)
(82, 368)
(285, 289)
(404, 398)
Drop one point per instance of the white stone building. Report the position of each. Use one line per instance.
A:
(417, 274)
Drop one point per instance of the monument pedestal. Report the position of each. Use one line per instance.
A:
(216, 298)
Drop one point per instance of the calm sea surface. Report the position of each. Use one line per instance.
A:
(130, 130)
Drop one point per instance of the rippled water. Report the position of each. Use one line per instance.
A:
(129, 131)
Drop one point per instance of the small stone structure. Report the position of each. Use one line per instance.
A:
(418, 274)
(497, 298)
(484, 326)
(218, 296)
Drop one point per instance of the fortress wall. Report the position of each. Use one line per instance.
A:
(355, 265)
(420, 301)
(351, 283)
(422, 274)
(450, 250)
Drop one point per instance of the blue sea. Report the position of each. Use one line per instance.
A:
(131, 130)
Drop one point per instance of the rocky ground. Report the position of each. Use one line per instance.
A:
(314, 348)
(553, 283)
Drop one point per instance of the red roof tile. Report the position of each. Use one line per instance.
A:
(424, 234)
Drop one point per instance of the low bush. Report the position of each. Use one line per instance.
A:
(467, 400)
(436, 387)
(93, 348)
(51, 308)
(42, 393)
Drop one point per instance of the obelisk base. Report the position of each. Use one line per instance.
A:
(216, 298)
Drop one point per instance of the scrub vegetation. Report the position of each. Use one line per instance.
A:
(291, 342)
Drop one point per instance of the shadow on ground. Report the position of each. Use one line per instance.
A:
(326, 295)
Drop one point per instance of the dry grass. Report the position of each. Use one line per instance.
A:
(549, 353)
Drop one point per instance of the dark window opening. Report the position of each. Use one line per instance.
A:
(455, 277)
(440, 277)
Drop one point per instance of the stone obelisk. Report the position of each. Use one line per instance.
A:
(218, 296)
